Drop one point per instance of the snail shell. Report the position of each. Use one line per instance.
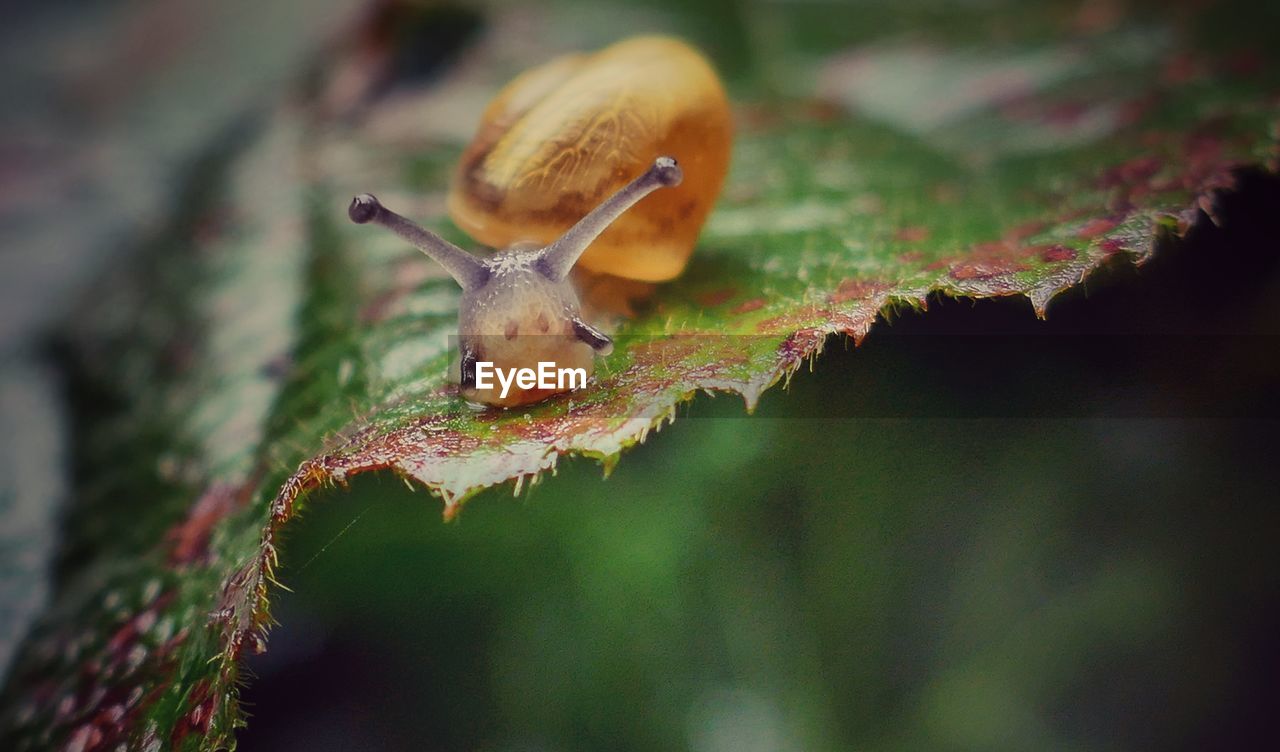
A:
(562, 137)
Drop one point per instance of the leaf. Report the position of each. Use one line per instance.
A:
(941, 152)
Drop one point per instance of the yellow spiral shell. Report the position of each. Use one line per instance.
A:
(562, 137)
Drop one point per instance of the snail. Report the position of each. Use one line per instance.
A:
(519, 308)
(546, 179)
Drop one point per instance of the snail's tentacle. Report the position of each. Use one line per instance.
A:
(467, 368)
(462, 266)
(598, 340)
(557, 259)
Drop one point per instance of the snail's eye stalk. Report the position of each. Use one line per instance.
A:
(559, 257)
(462, 266)
(467, 372)
(598, 340)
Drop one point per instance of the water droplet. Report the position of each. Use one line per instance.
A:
(113, 713)
(146, 620)
(151, 591)
(137, 654)
(86, 737)
(66, 707)
(164, 629)
(151, 741)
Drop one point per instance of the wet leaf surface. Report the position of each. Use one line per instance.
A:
(262, 347)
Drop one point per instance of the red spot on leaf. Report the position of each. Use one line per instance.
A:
(1111, 246)
(1057, 252)
(989, 259)
(945, 193)
(1098, 16)
(985, 269)
(857, 289)
(716, 297)
(212, 224)
(992, 249)
(1180, 68)
(1245, 63)
(748, 306)
(786, 322)
(1066, 112)
(203, 703)
(913, 234)
(1095, 227)
(820, 110)
(758, 118)
(127, 635)
(190, 538)
(1019, 233)
(1131, 172)
(801, 344)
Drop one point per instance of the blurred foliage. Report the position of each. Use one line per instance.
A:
(992, 151)
(873, 584)
(907, 550)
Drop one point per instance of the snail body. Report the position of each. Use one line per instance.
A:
(562, 156)
(518, 308)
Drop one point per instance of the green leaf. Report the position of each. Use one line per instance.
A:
(264, 347)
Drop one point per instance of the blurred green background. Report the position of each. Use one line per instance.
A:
(1043, 535)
